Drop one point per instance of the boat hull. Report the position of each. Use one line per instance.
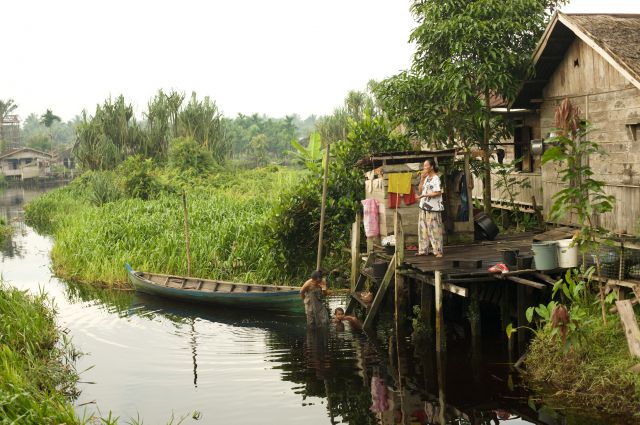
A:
(283, 301)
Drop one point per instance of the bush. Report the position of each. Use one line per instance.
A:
(138, 178)
(189, 158)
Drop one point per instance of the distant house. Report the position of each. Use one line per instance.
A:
(594, 60)
(25, 163)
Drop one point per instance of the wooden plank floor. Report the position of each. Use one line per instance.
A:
(487, 252)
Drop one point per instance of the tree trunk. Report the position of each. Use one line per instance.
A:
(486, 184)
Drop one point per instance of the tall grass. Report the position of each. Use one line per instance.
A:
(36, 381)
(227, 228)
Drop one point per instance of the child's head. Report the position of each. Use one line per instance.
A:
(317, 275)
(339, 312)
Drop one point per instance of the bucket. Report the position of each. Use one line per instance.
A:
(510, 257)
(545, 255)
(567, 255)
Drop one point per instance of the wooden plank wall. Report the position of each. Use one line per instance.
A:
(609, 102)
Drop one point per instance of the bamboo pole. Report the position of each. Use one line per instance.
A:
(322, 208)
(186, 231)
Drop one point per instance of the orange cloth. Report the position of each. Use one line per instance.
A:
(394, 198)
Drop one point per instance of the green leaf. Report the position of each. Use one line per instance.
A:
(529, 314)
(510, 330)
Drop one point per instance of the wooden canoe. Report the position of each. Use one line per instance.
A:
(284, 299)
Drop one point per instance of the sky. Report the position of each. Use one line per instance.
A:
(274, 57)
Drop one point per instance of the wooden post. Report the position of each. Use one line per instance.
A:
(630, 326)
(399, 279)
(467, 174)
(322, 208)
(438, 284)
(521, 305)
(355, 251)
(426, 304)
(186, 231)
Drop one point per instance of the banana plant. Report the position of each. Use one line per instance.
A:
(311, 155)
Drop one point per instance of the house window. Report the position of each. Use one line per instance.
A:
(522, 149)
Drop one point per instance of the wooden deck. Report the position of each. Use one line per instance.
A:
(468, 259)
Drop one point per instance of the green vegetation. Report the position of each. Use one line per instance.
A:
(468, 55)
(5, 229)
(105, 219)
(583, 359)
(37, 381)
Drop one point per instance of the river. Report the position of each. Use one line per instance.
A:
(144, 358)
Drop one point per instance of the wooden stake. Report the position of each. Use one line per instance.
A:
(355, 251)
(322, 208)
(186, 231)
(630, 326)
(438, 284)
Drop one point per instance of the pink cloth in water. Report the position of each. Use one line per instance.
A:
(379, 402)
(371, 224)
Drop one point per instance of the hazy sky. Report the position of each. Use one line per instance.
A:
(274, 57)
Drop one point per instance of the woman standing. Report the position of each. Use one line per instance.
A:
(312, 293)
(430, 229)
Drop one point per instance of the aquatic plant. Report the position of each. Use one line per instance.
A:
(37, 379)
(227, 226)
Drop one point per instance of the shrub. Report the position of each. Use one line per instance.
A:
(138, 178)
(189, 158)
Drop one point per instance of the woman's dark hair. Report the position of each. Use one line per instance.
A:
(316, 275)
(339, 309)
(433, 164)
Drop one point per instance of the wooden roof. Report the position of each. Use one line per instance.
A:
(616, 37)
(387, 158)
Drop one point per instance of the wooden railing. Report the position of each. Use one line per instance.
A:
(500, 199)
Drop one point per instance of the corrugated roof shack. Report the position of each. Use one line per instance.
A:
(379, 167)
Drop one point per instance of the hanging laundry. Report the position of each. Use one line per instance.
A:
(409, 199)
(370, 212)
(400, 183)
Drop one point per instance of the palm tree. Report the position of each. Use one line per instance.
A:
(6, 107)
(48, 118)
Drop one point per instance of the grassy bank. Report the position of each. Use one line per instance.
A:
(98, 226)
(579, 359)
(36, 383)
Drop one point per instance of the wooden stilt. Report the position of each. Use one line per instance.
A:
(474, 313)
(322, 208)
(355, 251)
(521, 302)
(426, 305)
(438, 285)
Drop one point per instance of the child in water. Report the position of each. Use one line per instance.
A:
(341, 318)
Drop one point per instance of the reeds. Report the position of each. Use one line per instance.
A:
(227, 228)
(36, 381)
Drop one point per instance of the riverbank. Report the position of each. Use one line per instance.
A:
(586, 362)
(37, 380)
(99, 224)
(5, 229)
